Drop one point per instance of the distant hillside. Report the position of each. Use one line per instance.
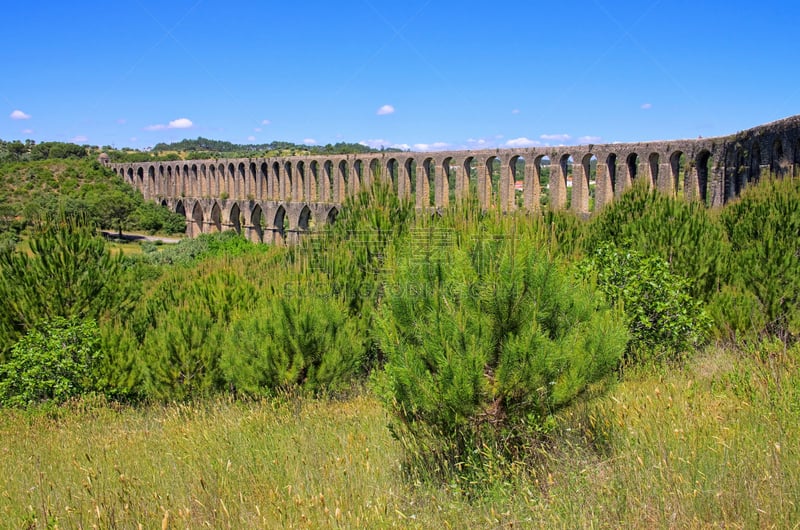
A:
(206, 148)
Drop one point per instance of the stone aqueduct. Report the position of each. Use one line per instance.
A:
(275, 199)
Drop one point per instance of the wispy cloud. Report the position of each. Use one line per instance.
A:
(556, 137)
(435, 146)
(646, 106)
(251, 138)
(523, 142)
(180, 123)
(515, 111)
(80, 139)
(590, 140)
(309, 141)
(19, 115)
(265, 122)
(27, 131)
(385, 110)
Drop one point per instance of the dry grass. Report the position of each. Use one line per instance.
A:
(713, 445)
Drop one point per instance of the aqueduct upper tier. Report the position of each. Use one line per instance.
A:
(268, 198)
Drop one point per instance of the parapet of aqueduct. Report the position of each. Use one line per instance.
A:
(272, 198)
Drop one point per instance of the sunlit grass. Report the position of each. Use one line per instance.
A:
(713, 444)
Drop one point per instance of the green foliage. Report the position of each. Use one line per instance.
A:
(55, 150)
(153, 218)
(763, 227)
(484, 342)
(684, 234)
(663, 319)
(68, 273)
(297, 340)
(53, 362)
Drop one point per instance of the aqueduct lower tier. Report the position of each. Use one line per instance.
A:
(270, 199)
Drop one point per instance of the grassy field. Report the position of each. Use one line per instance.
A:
(713, 444)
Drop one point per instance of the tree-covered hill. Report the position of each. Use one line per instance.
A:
(206, 148)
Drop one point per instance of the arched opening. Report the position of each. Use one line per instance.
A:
(263, 178)
(393, 170)
(150, 190)
(333, 213)
(541, 169)
(279, 225)
(326, 188)
(653, 164)
(430, 192)
(677, 164)
(375, 171)
(408, 182)
(194, 182)
(196, 228)
(471, 177)
(213, 184)
(343, 181)
(516, 167)
(170, 183)
(235, 218)
(313, 177)
(257, 224)
(491, 188)
(140, 182)
(305, 221)
(180, 209)
(300, 175)
(289, 182)
(164, 203)
(702, 163)
(223, 182)
(632, 164)
(583, 185)
(251, 189)
(779, 165)
(561, 182)
(203, 181)
(276, 192)
(450, 177)
(216, 218)
(358, 176)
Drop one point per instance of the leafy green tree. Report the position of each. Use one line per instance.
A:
(663, 319)
(54, 361)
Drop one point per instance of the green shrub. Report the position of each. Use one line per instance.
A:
(53, 362)
(764, 229)
(663, 319)
(68, 273)
(484, 342)
(684, 234)
(294, 340)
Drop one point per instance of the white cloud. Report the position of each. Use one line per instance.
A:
(402, 147)
(435, 146)
(309, 141)
(515, 111)
(180, 123)
(265, 122)
(646, 106)
(251, 138)
(19, 115)
(375, 143)
(258, 129)
(556, 137)
(27, 131)
(385, 110)
(523, 142)
(589, 140)
(80, 139)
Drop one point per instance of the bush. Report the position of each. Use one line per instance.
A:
(663, 319)
(683, 234)
(764, 227)
(484, 343)
(53, 362)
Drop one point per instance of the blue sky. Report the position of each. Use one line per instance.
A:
(418, 74)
